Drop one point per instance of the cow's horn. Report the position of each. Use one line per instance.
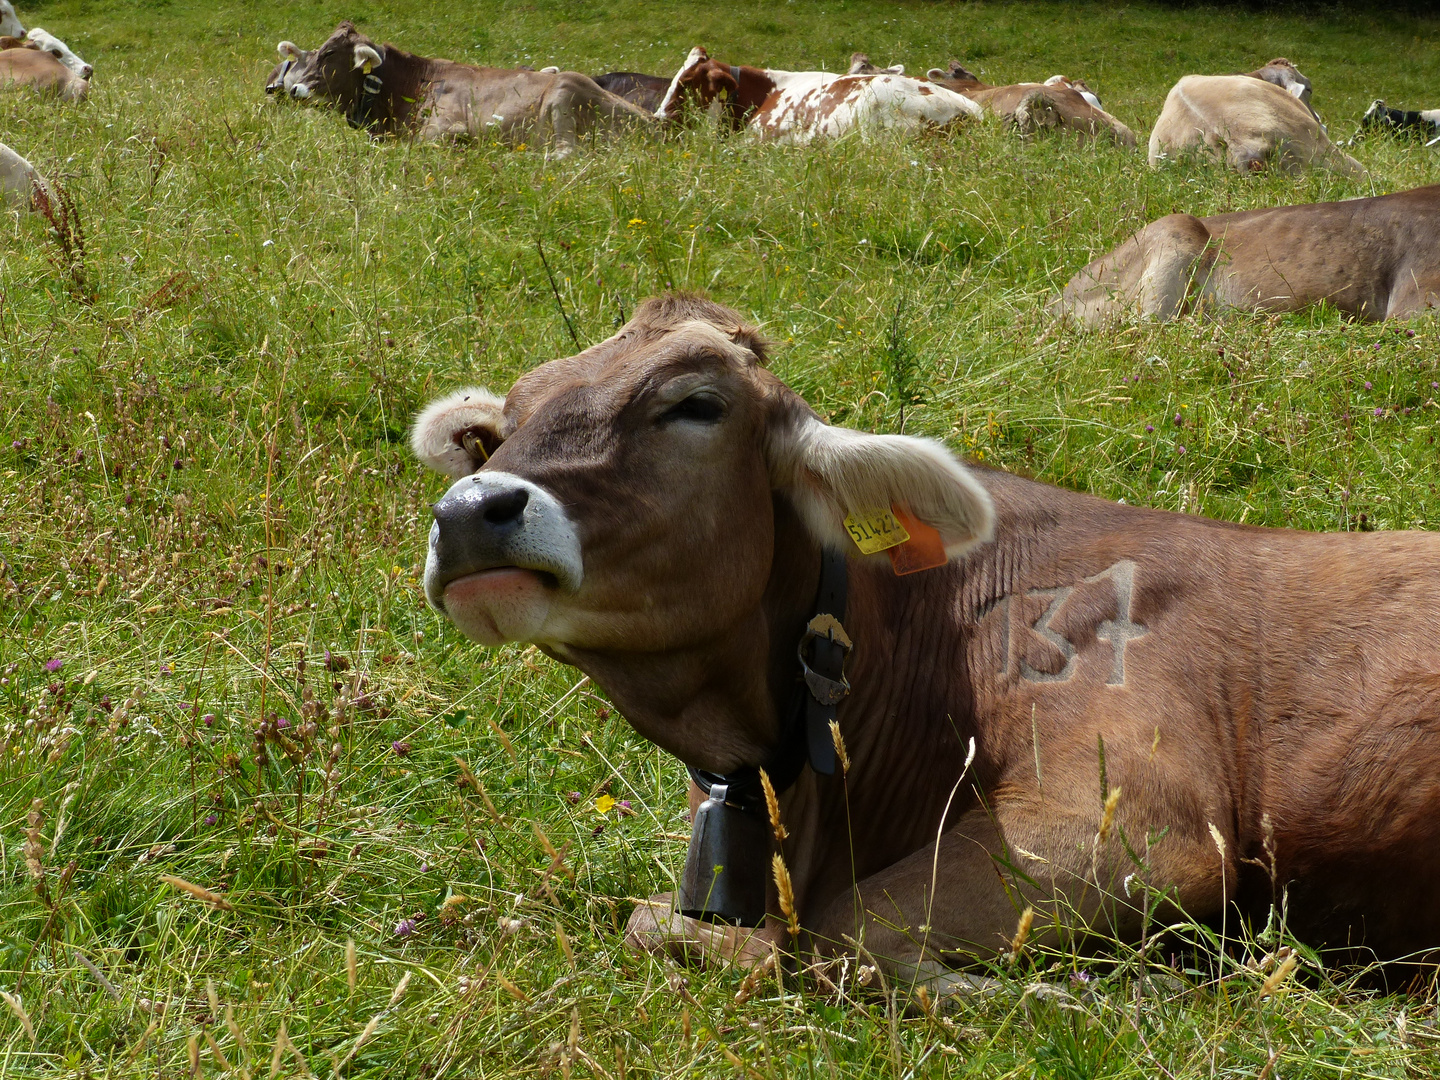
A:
(366, 58)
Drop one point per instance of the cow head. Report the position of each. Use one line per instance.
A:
(699, 82)
(634, 508)
(283, 75)
(955, 77)
(337, 69)
(860, 65)
(45, 41)
(10, 25)
(1285, 75)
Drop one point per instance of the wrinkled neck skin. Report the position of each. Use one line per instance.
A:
(398, 104)
(907, 674)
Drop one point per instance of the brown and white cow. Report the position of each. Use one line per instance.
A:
(1058, 103)
(389, 91)
(799, 106)
(28, 67)
(21, 186)
(1247, 121)
(1373, 259)
(656, 509)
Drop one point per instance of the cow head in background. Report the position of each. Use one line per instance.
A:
(10, 25)
(283, 75)
(1285, 75)
(336, 70)
(45, 41)
(642, 510)
(860, 65)
(699, 82)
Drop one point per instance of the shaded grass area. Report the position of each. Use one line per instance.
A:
(216, 663)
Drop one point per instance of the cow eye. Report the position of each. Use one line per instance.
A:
(702, 408)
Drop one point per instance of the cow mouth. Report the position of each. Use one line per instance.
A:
(497, 575)
(499, 603)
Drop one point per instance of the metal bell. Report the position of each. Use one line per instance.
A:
(726, 866)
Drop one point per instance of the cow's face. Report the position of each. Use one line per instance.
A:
(699, 82)
(337, 69)
(625, 499)
(10, 25)
(1284, 74)
(292, 62)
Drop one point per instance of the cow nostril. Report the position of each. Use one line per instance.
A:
(505, 506)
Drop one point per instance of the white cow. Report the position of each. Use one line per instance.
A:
(20, 184)
(10, 25)
(798, 106)
(48, 42)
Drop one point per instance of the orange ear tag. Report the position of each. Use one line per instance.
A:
(923, 551)
(913, 545)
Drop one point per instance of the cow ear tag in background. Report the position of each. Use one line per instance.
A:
(913, 545)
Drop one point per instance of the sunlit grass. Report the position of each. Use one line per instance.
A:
(208, 518)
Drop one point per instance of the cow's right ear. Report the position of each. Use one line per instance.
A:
(937, 73)
(829, 473)
(289, 50)
(457, 434)
(366, 57)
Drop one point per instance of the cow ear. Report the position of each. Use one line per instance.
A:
(289, 50)
(366, 57)
(937, 73)
(457, 434)
(830, 473)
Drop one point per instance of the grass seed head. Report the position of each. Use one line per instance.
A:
(787, 894)
(1107, 816)
(772, 804)
(839, 741)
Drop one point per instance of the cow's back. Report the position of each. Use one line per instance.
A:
(468, 100)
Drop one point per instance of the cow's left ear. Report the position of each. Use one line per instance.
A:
(367, 57)
(457, 434)
(288, 50)
(830, 473)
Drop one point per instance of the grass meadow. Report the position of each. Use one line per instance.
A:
(215, 661)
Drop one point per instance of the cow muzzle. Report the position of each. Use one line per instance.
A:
(300, 91)
(502, 550)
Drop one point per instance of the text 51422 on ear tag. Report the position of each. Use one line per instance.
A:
(875, 531)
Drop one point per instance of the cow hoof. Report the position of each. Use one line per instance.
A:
(655, 927)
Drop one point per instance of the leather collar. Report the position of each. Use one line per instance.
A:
(805, 736)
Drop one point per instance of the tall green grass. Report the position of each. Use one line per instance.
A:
(209, 520)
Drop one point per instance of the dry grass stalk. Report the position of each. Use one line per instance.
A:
(198, 892)
(839, 742)
(192, 1051)
(1022, 932)
(510, 988)
(772, 804)
(279, 1051)
(400, 988)
(351, 975)
(1107, 816)
(504, 739)
(1277, 978)
(34, 849)
(787, 894)
(139, 1047)
(563, 941)
(213, 999)
(18, 1008)
(754, 977)
(926, 1003)
(1218, 839)
(235, 1032)
(219, 1054)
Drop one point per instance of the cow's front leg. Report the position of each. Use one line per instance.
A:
(933, 912)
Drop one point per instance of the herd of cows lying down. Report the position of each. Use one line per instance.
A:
(913, 663)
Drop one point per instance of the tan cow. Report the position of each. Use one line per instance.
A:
(1371, 258)
(1056, 104)
(665, 514)
(30, 68)
(389, 91)
(1248, 122)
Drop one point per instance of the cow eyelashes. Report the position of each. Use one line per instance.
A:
(702, 408)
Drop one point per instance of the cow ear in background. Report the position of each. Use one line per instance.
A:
(457, 434)
(366, 57)
(830, 473)
(289, 50)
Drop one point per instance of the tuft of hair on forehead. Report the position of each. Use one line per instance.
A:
(670, 311)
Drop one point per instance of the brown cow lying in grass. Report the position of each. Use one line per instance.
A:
(390, 91)
(1372, 258)
(1059, 103)
(25, 65)
(659, 511)
(1250, 121)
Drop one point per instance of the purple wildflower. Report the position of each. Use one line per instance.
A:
(1376, 346)
(208, 719)
(1409, 333)
(404, 928)
(1180, 449)
(573, 797)
(281, 722)
(1367, 385)
(402, 749)
(1179, 419)
(54, 665)
(16, 445)
(424, 867)
(1379, 412)
(210, 819)
(1149, 428)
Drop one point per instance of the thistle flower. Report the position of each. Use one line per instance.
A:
(54, 665)
(404, 928)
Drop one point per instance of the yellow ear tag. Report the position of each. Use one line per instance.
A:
(875, 531)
